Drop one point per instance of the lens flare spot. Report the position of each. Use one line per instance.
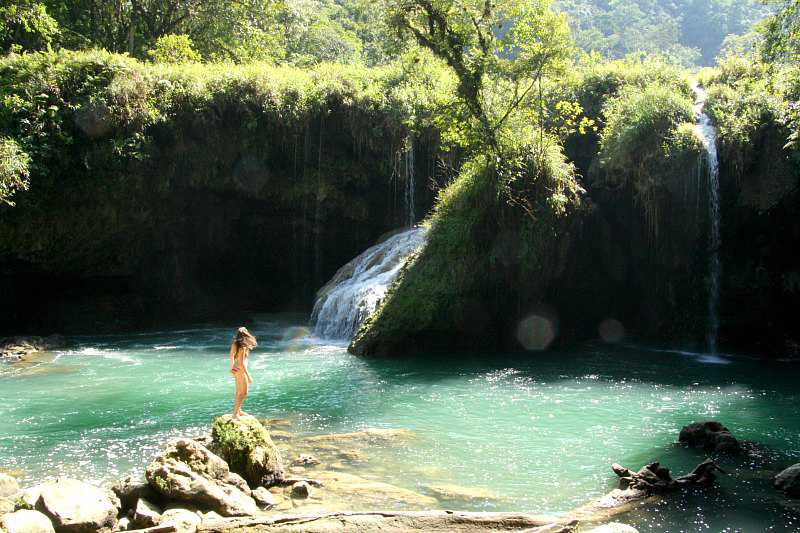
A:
(294, 338)
(611, 330)
(536, 332)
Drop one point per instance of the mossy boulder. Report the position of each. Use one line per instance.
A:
(247, 447)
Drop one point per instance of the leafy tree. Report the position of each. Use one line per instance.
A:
(782, 32)
(220, 29)
(174, 49)
(508, 45)
(26, 26)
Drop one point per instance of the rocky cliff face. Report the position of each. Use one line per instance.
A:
(227, 209)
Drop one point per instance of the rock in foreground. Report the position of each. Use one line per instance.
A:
(711, 436)
(187, 471)
(77, 507)
(789, 481)
(25, 522)
(247, 447)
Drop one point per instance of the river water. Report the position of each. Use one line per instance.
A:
(534, 432)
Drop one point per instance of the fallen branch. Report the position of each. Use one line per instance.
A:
(404, 521)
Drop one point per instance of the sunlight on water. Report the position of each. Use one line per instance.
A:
(534, 432)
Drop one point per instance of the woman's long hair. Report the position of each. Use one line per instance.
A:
(244, 339)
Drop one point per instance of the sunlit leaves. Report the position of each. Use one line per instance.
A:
(13, 170)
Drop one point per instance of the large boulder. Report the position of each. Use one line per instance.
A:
(711, 436)
(188, 471)
(789, 481)
(25, 521)
(77, 507)
(247, 447)
(8, 486)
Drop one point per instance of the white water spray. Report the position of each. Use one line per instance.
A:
(356, 290)
(708, 133)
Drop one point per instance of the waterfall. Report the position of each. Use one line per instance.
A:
(708, 133)
(410, 191)
(358, 287)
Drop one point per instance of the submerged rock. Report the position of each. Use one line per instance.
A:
(301, 490)
(349, 487)
(711, 436)
(367, 436)
(77, 507)
(789, 481)
(187, 471)
(25, 521)
(447, 491)
(306, 460)
(247, 447)
(17, 348)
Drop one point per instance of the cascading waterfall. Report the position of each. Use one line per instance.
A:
(358, 287)
(708, 133)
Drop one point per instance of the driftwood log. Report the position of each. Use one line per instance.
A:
(432, 521)
(655, 479)
(649, 484)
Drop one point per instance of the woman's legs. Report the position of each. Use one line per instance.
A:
(244, 390)
(239, 397)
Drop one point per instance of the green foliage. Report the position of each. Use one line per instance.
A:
(686, 32)
(782, 32)
(743, 99)
(13, 170)
(648, 141)
(300, 32)
(26, 26)
(173, 49)
(73, 110)
(496, 70)
(326, 40)
(248, 449)
(755, 107)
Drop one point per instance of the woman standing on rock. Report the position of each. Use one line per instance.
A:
(242, 343)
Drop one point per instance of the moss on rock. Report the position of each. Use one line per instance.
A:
(248, 449)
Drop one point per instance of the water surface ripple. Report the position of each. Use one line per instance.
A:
(539, 431)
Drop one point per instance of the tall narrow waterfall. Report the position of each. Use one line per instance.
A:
(708, 133)
(410, 190)
(358, 287)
